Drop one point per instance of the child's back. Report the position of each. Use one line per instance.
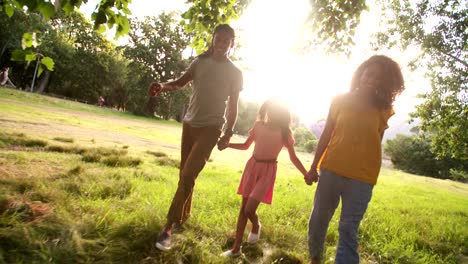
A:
(268, 141)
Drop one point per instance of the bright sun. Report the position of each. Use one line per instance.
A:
(270, 47)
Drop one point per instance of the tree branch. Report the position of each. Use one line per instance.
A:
(453, 57)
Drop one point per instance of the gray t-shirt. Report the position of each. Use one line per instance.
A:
(213, 83)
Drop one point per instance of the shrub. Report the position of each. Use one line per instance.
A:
(121, 161)
(413, 154)
(305, 139)
(65, 140)
(311, 145)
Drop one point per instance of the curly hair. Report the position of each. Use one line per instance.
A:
(274, 113)
(392, 84)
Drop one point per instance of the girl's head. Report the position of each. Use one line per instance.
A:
(274, 113)
(379, 77)
(222, 41)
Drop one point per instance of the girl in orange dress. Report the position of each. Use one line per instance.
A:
(270, 133)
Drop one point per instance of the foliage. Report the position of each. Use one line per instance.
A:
(413, 154)
(89, 65)
(20, 45)
(310, 145)
(204, 15)
(247, 114)
(305, 139)
(334, 23)
(108, 13)
(438, 29)
(155, 51)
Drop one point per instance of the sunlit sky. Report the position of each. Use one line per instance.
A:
(270, 34)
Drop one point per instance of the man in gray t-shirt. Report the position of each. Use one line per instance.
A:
(217, 83)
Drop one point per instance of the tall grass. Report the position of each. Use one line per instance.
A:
(97, 201)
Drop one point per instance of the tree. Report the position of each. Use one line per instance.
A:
(305, 140)
(19, 47)
(438, 28)
(204, 15)
(333, 24)
(155, 52)
(246, 117)
(412, 154)
(109, 13)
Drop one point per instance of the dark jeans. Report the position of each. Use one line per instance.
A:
(197, 144)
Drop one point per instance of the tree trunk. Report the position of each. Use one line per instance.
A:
(44, 81)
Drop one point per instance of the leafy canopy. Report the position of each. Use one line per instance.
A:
(108, 13)
(439, 29)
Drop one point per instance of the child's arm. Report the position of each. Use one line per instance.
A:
(295, 160)
(242, 146)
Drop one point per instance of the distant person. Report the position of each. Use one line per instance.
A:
(217, 83)
(101, 101)
(349, 155)
(270, 133)
(4, 79)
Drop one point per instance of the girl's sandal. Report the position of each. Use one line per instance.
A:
(253, 238)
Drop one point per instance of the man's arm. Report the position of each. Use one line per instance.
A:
(231, 117)
(176, 84)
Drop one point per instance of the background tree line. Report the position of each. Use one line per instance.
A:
(87, 65)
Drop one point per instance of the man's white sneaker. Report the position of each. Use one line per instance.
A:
(164, 241)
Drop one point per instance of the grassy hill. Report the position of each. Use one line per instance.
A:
(83, 184)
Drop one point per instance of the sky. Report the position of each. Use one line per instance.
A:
(270, 33)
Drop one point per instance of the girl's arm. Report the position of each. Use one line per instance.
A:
(242, 146)
(295, 160)
(321, 146)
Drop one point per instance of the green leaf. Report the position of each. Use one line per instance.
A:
(124, 27)
(100, 18)
(67, 7)
(18, 55)
(40, 70)
(48, 63)
(47, 9)
(27, 40)
(101, 29)
(30, 57)
(9, 10)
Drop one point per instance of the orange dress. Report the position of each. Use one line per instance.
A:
(258, 178)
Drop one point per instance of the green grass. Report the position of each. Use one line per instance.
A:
(83, 184)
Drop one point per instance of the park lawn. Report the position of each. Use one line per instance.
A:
(83, 184)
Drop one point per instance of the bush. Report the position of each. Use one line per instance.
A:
(305, 139)
(459, 175)
(413, 154)
(311, 145)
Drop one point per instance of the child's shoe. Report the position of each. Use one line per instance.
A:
(253, 238)
(164, 241)
(230, 254)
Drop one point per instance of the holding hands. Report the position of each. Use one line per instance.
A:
(312, 176)
(223, 142)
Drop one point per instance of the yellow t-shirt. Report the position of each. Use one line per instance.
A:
(354, 150)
